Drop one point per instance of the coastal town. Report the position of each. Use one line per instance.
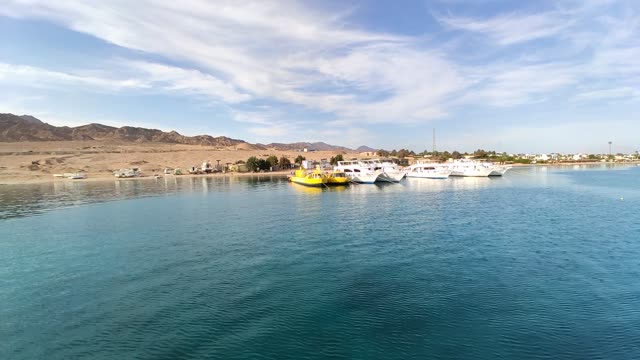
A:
(34, 151)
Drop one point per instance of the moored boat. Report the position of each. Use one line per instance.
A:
(357, 172)
(469, 168)
(391, 172)
(337, 177)
(314, 178)
(429, 171)
(497, 170)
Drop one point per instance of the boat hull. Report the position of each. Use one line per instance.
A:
(435, 175)
(365, 179)
(307, 182)
(477, 172)
(391, 177)
(499, 171)
(338, 181)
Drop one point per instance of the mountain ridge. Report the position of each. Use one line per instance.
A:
(14, 128)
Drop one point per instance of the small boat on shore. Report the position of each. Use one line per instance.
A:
(72, 176)
(75, 176)
(127, 173)
(316, 178)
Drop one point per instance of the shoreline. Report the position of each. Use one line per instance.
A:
(39, 179)
(111, 177)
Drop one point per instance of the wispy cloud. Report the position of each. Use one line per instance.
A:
(280, 51)
(308, 61)
(621, 93)
(511, 85)
(38, 77)
(187, 81)
(512, 28)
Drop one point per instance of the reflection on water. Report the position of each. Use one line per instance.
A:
(538, 263)
(23, 200)
(312, 190)
(453, 183)
(30, 199)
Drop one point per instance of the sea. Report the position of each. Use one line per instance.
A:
(543, 263)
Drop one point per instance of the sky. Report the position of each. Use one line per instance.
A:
(514, 76)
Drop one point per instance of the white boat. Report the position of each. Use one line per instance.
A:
(429, 171)
(391, 172)
(75, 176)
(357, 172)
(497, 170)
(127, 173)
(469, 168)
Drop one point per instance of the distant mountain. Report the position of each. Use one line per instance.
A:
(31, 119)
(364, 148)
(28, 128)
(317, 146)
(15, 128)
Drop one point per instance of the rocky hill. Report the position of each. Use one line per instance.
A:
(27, 128)
(15, 128)
(317, 146)
(365, 148)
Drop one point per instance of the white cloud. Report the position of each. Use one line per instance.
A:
(264, 50)
(609, 94)
(38, 77)
(295, 56)
(190, 81)
(514, 85)
(508, 29)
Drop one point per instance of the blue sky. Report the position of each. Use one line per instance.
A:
(515, 76)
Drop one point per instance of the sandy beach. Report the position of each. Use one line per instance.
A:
(32, 162)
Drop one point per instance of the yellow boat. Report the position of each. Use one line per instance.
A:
(338, 177)
(315, 178)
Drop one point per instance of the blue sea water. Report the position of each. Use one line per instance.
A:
(543, 263)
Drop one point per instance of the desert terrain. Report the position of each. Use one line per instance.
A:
(23, 162)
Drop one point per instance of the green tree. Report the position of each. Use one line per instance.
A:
(284, 162)
(456, 155)
(263, 164)
(479, 154)
(252, 163)
(272, 160)
(299, 159)
(444, 156)
(383, 153)
(334, 159)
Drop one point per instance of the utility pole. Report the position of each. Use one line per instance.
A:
(434, 141)
(609, 150)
